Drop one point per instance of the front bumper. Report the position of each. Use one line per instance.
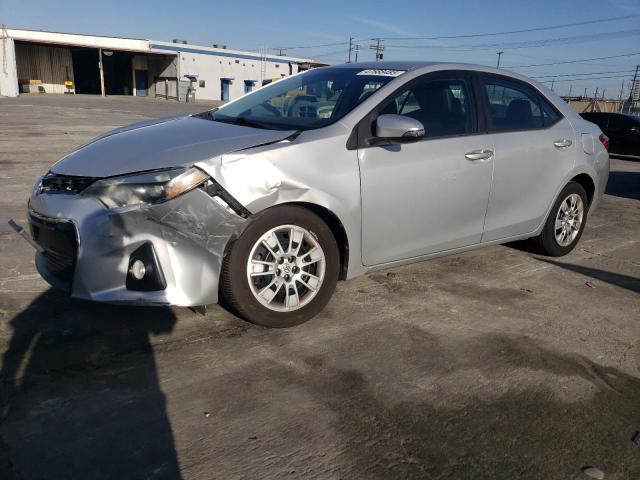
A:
(188, 234)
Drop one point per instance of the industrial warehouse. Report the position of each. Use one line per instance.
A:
(64, 63)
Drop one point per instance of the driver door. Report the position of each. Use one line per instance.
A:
(431, 195)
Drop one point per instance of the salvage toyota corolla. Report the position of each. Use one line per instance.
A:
(267, 201)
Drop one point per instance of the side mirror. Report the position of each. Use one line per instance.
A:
(398, 128)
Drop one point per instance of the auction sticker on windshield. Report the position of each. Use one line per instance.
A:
(382, 73)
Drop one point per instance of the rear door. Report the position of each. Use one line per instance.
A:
(535, 147)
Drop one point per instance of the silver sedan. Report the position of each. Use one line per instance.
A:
(271, 199)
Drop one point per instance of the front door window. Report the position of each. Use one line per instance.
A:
(444, 106)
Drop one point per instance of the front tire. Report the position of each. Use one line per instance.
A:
(566, 222)
(283, 269)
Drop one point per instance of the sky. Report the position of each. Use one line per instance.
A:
(326, 26)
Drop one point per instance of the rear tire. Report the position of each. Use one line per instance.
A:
(283, 269)
(565, 223)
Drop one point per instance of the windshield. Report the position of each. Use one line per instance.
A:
(314, 99)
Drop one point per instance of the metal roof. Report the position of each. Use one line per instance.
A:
(143, 45)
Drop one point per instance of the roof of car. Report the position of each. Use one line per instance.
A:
(388, 65)
(409, 66)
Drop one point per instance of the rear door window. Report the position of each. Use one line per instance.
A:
(514, 106)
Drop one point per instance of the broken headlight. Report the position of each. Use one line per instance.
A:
(145, 188)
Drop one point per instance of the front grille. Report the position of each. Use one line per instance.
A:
(54, 183)
(59, 241)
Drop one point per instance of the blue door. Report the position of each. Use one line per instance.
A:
(225, 90)
(142, 83)
(248, 86)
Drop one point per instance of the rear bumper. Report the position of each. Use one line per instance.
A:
(188, 236)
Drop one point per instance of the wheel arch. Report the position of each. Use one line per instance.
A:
(581, 176)
(587, 183)
(337, 228)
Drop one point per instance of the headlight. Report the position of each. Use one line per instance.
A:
(145, 188)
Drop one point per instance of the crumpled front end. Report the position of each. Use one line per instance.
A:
(89, 250)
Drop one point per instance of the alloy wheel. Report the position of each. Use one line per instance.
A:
(285, 268)
(569, 219)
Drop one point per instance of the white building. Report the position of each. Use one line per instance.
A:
(48, 62)
(223, 74)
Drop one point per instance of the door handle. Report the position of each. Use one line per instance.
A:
(479, 155)
(562, 143)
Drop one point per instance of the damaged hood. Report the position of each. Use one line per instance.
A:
(163, 143)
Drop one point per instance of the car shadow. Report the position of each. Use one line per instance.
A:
(80, 395)
(624, 184)
(617, 279)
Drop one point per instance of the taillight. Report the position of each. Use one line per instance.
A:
(604, 140)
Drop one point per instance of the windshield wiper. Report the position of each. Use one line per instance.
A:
(243, 121)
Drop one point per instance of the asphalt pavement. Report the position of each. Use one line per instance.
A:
(493, 364)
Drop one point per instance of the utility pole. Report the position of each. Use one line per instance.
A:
(553, 80)
(499, 55)
(620, 97)
(350, 48)
(280, 51)
(378, 47)
(570, 88)
(603, 90)
(357, 49)
(634, 87)
(585, 93)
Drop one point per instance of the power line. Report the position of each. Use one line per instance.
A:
(473, 35)
(575, 61)
(592, 37)
(581, 74)
(327, 54)
(585, 79)
(312, 46)
(526, 30)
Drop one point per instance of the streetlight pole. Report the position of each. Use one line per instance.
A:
(499, 55)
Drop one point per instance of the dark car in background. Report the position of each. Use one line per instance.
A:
(623, 132)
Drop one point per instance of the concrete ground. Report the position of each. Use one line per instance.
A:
(492, 364)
